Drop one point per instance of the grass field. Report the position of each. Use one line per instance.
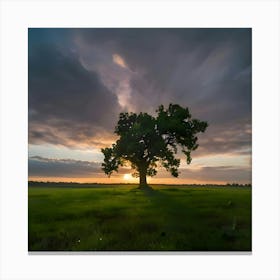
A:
(121, 218)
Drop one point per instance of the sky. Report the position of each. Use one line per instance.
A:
(79, 80)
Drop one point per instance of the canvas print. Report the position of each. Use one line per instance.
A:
(139, 139)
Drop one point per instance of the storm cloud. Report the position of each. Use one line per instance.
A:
(81, 79)
(68, 104)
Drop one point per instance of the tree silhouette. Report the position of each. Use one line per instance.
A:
(145, 142)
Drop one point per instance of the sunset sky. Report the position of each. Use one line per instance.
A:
(79, 80)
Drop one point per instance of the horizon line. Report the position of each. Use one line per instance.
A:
(121, 183)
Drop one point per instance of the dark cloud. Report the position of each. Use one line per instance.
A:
(208, 70)
(67, 103)
(221, 174)
(47, 167)
(232, 138)
(76, 90)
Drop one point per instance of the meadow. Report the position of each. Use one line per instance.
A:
(124, 218)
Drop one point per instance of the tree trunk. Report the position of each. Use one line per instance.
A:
(143, 179)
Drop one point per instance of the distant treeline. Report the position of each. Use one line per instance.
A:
(92, 185)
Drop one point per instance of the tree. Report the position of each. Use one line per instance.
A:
(145, 142)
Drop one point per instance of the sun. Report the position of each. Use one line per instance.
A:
(127, 177)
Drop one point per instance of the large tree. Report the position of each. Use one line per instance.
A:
(146, 142)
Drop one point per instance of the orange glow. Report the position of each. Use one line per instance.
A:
(127, 177)
(122, 180)
(119, 60)
(105, 180)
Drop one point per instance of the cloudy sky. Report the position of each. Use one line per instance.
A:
(79, 80)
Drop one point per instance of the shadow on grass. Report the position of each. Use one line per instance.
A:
(195, 229)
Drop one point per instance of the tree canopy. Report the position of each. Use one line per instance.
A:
(147, 142)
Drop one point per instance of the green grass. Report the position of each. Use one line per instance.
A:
(121, 218)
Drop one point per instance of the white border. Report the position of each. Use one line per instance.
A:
(262, 16)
